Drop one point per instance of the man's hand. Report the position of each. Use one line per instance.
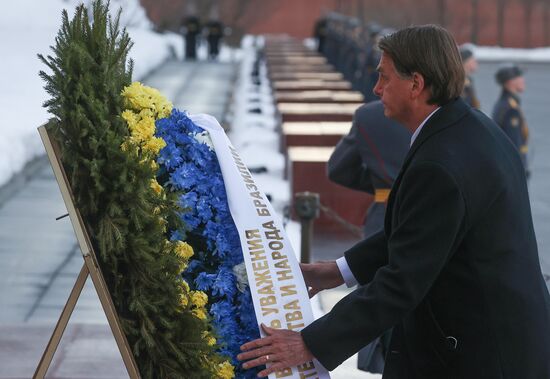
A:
(321, 276)
(280, 349)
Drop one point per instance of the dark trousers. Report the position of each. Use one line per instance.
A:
(190, 46)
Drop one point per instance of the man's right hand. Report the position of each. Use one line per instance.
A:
(321, 276)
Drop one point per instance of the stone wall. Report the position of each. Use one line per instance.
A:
(524, 23)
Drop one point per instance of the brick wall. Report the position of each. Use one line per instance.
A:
(520, 28)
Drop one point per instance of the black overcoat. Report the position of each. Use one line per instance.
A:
(456, 270)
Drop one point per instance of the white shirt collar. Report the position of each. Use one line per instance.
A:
(417, 131)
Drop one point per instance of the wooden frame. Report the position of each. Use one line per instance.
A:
(90, 267)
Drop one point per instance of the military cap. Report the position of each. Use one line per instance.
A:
(466, 52)
(507, 72)
(386, 32)
(374, 29)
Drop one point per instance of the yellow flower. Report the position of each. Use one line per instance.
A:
(142, 98)
(199, 298)
(154, 145)
(147, 113)
(143, 130)
(211, 341)
(200, 313)
(184, 300)
(183, 250)
(155, 186)
(144, 106)
(226, 370)
(184, 286)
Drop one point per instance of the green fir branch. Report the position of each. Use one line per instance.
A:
(86, 73)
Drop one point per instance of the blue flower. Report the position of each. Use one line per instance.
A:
(205, 281)
(225, 284)
(191, 167)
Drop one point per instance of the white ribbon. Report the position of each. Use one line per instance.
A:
(278, 290)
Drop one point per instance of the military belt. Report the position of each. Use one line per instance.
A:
(381, 195)
(524, 149)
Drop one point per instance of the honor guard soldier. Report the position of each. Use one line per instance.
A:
(334, 38)
(367, 75)
(371, 63)
(368, 159)
(507, 112)
(191, 29)
(353, 49)
(320, 34)
(469, 63)
(214, 34)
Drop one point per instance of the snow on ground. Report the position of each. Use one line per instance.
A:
(29, 27)
(253, 128)
(254, 135)
(495, 53)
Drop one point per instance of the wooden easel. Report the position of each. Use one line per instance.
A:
(90, 267)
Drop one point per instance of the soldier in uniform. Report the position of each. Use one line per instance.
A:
(334, 38)
(349, 56)
(469, 63)
(507, 111)
(320, 33)
(371, 62)
(214, 34)
(191, 29)
(369, 159)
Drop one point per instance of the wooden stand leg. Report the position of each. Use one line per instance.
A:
(110, 313)
(91, 267)
(47, 357)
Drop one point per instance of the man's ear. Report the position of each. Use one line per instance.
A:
(418, 84)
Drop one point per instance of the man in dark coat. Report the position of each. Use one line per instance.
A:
(456, 270)
(368, 159)
(320, 32)
(191, 29)
(214, 35)
(469, 63)
(507, 112)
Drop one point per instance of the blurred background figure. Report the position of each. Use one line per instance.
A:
(507, 112)
(320, 33)
(352, 47)
(191, 29)
(469, 63)
(369, 159)
(372, 60)
(214, 33)
(334, 38)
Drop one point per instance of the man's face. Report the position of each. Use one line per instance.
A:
(470, 65)
(516, 85)
(393, 90)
